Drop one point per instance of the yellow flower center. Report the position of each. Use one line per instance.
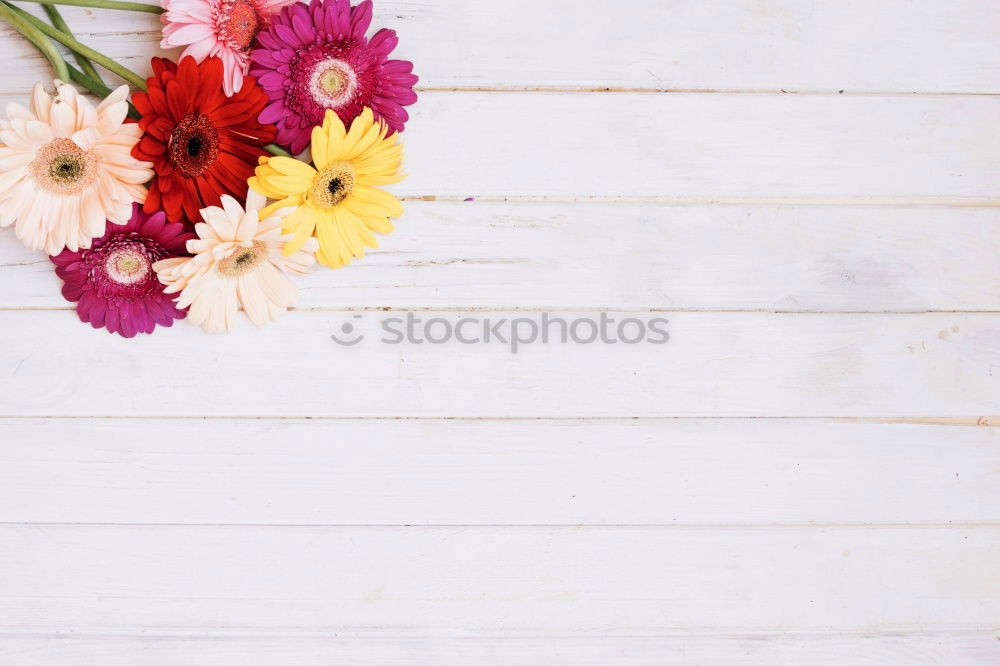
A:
(242, 260)
(62, 167)
(333, 184)
(333, 81)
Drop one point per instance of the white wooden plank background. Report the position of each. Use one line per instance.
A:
(805, 473)
(470, 255)
(761, 45)
(498, 472)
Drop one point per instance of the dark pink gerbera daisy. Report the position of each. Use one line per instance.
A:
(316, 57)
(113, 282)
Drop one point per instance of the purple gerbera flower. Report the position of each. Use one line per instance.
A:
(316, 57)
(113, 282)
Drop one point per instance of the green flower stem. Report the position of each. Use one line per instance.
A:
(97, 87)
(106, 4)
(75, 46)
(88, 82)
(277, 150)
(36, 37)
(59, 23)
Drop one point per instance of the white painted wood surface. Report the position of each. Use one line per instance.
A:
(498, 472)
(769, 45)
(537, 255)
(815, 365)
(952, 648)
(804, 473)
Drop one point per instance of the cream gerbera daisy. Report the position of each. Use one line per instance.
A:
(337, 201)
(238, 261)
(66, 168)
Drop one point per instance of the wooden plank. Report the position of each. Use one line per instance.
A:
(557, 255)
(714, 364)
(829, 45)
(705, 148)
(389, 472)
(498, 581)
(709, 146)
(922, 649)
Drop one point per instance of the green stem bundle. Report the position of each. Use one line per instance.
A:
(106, 4)
(36, 37)
(75, 46)
(60, 24)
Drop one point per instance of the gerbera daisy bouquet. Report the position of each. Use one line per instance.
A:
(257, 149)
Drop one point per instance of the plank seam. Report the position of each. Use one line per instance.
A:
(978, 421)
(701, 632)
(929, 525)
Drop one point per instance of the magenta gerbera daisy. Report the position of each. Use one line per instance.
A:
(316, 57)
(113, 282)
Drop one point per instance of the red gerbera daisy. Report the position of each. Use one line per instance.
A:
(202, 143)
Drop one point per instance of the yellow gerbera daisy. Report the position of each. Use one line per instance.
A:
(337, 202)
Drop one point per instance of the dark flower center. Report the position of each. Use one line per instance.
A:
(66, 168)
(193, 145)
(333, 184)
(62, 166)
(243, 260)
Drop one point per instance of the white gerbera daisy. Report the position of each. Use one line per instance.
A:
(238, 261)
(66, 168)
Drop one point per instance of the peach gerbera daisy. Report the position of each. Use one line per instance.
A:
(66, 168)
(225, 29)
(239, 261)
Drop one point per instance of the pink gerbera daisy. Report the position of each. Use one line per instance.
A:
(113, 283)
(316, 57)
(225, 29)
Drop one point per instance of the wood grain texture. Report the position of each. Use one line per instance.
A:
(927, 649)
(516, 520)
(828, 45)
(511, 581)
(715, 364)
(704, 148)
(708, 146)
(641, 256)
(355, 472)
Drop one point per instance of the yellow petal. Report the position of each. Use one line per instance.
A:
(287, 202)
(302, 221)
(260, 186)
(292, 167)
(379, 202)
(320, 148)
(330, 246)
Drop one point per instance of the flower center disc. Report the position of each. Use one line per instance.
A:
(63, 167)
(127, 265)
(333, 83)
(333, 184)
(242, 260)
(193, 145)
(242, 24)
